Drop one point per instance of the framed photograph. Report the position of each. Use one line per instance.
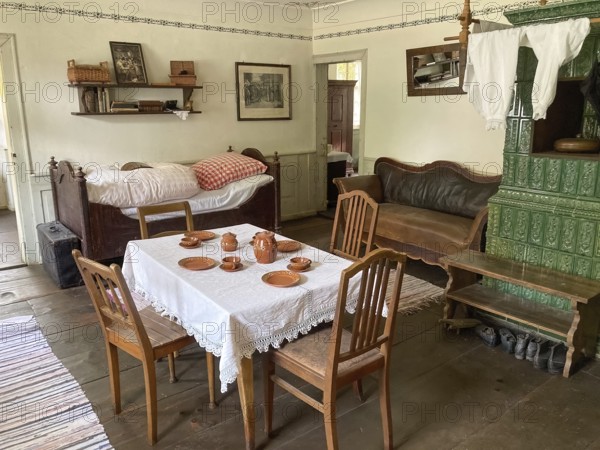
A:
(263, 91)
(129, 63)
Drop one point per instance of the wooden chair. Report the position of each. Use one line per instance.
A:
(354, 224)
(144, 333)
(145, 211)
(335, 357)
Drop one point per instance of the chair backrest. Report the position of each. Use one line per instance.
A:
(145, 211)
(354, 224)
(381, 272)
(112, 300)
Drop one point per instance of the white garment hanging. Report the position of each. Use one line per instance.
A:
(554, 45)
(490, 73)
(492, 62)
(484, 26)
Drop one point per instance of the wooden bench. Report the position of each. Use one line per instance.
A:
(579, 326)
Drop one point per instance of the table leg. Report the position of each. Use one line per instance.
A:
(246, 387)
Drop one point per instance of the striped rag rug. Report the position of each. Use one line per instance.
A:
(416, 294)
(41, 404)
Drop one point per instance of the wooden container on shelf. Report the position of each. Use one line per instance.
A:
(150, 105)
(87, 73)
(183, 73)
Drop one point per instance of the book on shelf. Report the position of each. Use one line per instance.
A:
(119, 106)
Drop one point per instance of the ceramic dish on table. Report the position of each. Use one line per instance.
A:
(299, 264)
(197, 263)
(281, 278)
(231, 264)
(288, 246)
(189, 242)
(201, 235)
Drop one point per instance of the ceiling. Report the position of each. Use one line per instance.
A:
(306, 3)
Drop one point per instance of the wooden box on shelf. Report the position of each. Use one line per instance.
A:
(183, 73)
(86, 73)
(150, 105)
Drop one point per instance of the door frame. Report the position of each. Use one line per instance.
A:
(19, 165)
(321, 63)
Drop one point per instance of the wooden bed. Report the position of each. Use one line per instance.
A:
(104, 231)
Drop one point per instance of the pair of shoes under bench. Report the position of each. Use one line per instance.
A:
(487, 334)
(508, 341)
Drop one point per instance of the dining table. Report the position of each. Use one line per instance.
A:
(235, 313)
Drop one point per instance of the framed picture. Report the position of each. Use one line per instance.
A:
(129, 63)
(263, 91)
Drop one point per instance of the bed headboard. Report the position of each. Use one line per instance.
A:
(274, 171)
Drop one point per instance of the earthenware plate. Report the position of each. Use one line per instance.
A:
(227, 267)
(281, 278)
(202, 235)
(197, 263)
(288, 246)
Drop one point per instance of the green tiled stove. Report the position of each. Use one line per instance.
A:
(547, 211)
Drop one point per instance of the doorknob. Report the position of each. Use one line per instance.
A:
(14, 155)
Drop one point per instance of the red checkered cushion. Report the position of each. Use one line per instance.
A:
(215, 172)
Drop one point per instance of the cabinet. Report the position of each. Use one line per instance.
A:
(579, 326)
(124, 92)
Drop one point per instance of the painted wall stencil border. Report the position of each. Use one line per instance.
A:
(9, 8)
(492, 10)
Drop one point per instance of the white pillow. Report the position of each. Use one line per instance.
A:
(132, 188)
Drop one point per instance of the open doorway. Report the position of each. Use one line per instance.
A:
(343, 120)
(346, 101)
(12, 139)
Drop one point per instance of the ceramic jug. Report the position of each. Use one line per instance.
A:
(265, 247)
(229, 242)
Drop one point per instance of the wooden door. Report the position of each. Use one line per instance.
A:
(340, 102)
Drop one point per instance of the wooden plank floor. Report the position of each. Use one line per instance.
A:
(10, 247)
(448, 391)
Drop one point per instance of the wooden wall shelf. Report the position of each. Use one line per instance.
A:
(127, 113)
(130, 90)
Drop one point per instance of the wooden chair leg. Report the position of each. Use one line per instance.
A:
(358, 390)
(172, 376)
(210, 366)
(268, 387)
(329, 420)
(112, 355)
(151, 400)
(384, 406)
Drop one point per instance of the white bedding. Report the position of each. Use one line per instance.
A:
(164, 182)
(229, 196)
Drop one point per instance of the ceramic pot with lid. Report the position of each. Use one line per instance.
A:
(229, 242)
(265, 247)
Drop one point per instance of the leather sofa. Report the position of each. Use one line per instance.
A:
(427, 211)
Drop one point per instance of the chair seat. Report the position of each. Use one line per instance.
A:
(161, 330)
(310, 353)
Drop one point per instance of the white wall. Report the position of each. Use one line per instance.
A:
(413, 129)
(45, 41)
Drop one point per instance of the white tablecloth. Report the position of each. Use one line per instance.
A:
(232, 314)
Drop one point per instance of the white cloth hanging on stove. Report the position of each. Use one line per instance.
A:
(492, 61)
(554, 45)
